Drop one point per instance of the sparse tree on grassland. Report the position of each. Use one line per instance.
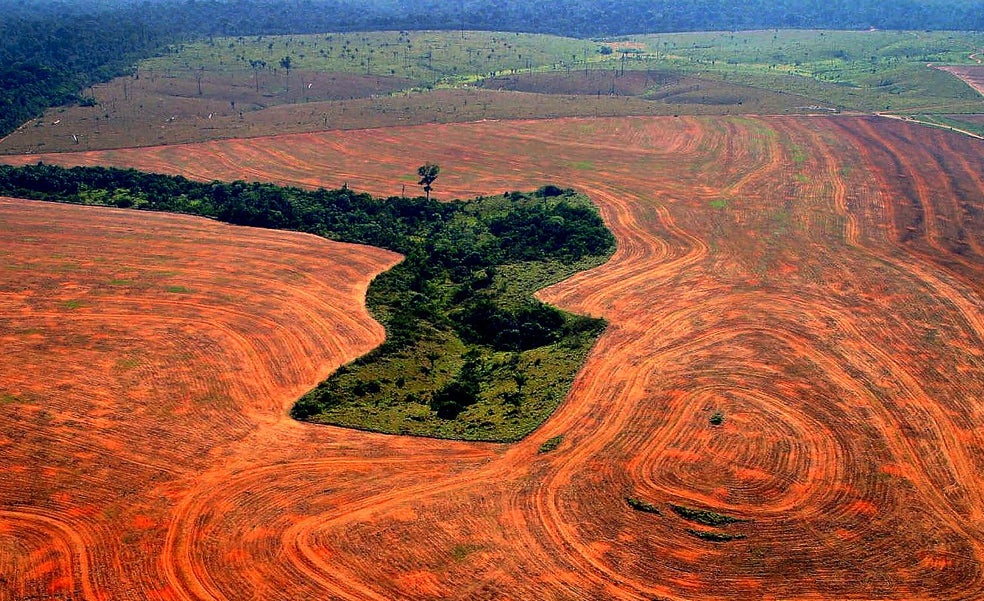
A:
(256, 65)
(285, 62)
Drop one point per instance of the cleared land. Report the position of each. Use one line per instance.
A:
(238, 87)
(796, 344)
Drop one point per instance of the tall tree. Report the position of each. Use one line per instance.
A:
(256, 65)
(428, 173)
(285, 62)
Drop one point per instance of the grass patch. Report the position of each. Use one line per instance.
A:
(72, 304)
(861, 70)
(9, 399)
(719, 203)
(799, 155)
(462, 551)
(714, 537)
(643, 506)
(127, 363)
(176, 289)
(551, 443)
(951, 122)
(583, 165)
(702, 516)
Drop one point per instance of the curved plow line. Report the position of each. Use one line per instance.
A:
(828, 166)
(635, 260)
(180, 541)
(964, 301)
(547, 505)
(67, 538)
(829, 462)
(585, 448)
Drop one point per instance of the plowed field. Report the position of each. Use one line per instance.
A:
(817, 284)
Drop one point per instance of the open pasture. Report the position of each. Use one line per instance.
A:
(786, 403)
(238, 87)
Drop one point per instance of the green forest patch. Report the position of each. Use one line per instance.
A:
(469, 352)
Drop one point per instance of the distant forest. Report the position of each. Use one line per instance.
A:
(51, 51)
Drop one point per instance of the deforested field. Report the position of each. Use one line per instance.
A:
(785, 405)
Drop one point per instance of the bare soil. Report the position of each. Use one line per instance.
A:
(818, 282)
(155, 109)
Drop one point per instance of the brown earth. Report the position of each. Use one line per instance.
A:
(972, 74)
(593, 82)
(662, 88)
(156, 110)
(818, 281)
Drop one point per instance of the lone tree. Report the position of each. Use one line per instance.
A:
(428, 173)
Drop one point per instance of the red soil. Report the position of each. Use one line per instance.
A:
(817, 280)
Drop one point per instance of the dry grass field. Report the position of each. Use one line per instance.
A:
(153, 111)
(796, 342)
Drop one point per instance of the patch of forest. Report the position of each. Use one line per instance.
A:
(469, 352)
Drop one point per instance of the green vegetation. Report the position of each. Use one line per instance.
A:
(702, 516)
(72, 304)
(52, 51)
(717, 418)
(428, 173)
(715, 537)
(643, 506)
(427, 58)
(551, 443)
(951, 121)
(176, 289)
(846, 70)
(469, 352)
(692, 72)
(127, 363)
(462, 551)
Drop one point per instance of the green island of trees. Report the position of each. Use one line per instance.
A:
(469, 353)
